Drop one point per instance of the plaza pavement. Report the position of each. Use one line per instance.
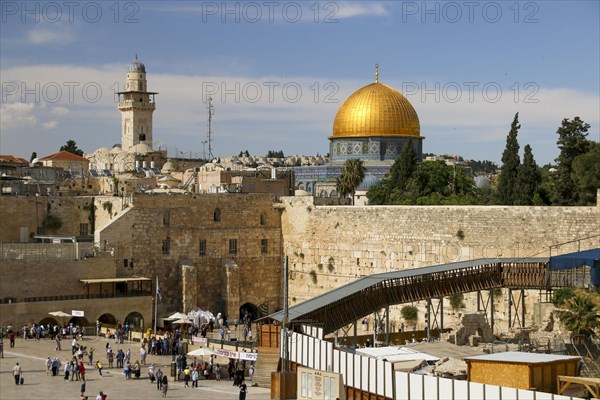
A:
(32, 355)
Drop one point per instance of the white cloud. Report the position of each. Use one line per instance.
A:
(358, 9)
(50, 124)
(17, 115)
(57, 35)
(60, 110)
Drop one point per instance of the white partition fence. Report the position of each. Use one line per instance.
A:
(374, 376)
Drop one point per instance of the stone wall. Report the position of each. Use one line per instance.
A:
(27, 278)
(30, 211)
(180, 222)
(341, 244)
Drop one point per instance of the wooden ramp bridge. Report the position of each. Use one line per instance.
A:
(343, 306)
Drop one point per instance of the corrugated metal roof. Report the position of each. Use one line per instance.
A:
(521, 357)
(352, 288)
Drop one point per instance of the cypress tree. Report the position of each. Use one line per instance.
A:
(510, 165)
(402, 170)
(528, 179)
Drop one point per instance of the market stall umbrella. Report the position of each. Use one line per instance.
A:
(182, 321)
(177, 315)
(201, 352)
(60, 314)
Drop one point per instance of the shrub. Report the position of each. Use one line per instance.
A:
(410, 313)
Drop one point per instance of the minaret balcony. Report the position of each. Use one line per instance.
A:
(136, 104)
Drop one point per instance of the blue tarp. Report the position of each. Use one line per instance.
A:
(572, 260)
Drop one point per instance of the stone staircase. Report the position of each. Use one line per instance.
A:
(267, 362)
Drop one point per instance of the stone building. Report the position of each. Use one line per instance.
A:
(220, 252)
(69, 162)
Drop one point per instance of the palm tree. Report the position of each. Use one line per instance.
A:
(352, 175)
(581, 316)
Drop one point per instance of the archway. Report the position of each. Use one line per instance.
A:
(49, 321)
(250, 309)
(135, 320)
(81, 321)
(107, 319)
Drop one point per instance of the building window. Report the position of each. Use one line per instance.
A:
(202, 247)
(263, 219)
(125, 263)
(166, 217)
(217, 215)
(142, 137)
(264, 246)
(84, 230)
(166, 246)
(232, 246)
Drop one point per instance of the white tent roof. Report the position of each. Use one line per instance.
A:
(395, 354)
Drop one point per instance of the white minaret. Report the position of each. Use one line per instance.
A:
(136, 105)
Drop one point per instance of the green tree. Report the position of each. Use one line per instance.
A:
(528, 180)
(510, 165)
(401, 171)
(33, 156)
(352, 175)
(581, 316)
(410, 314)
(377, 193)
(586, 174)
(71, 147)
(571, 142)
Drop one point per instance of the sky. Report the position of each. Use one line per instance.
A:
(278, 71)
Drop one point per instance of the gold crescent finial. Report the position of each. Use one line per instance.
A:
(376, 73)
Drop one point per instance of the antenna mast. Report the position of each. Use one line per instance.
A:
(211, 112)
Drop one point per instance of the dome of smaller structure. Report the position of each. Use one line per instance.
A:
(102, 150)
(168, 167)
(141, 148)
(136, 65)
(116, 150)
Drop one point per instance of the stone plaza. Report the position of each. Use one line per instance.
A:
(31, 355)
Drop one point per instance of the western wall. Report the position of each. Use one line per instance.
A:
(329, 246)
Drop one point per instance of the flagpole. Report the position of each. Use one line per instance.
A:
(155, 304)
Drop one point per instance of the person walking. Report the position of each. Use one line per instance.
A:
(195, 377)
(99, 366)
(48, 365)
(165, 385)
(67, 370)
(159, 375)
(243, 390)
(82, 389)
(186, 377)
(17, 373)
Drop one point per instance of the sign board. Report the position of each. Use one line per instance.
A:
(237, 355)
(77, 313)
(200, 340)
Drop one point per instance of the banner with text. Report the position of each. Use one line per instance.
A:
(236, 355)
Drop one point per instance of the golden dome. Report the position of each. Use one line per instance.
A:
(376, 110)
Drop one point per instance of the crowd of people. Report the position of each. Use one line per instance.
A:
(83, 358)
